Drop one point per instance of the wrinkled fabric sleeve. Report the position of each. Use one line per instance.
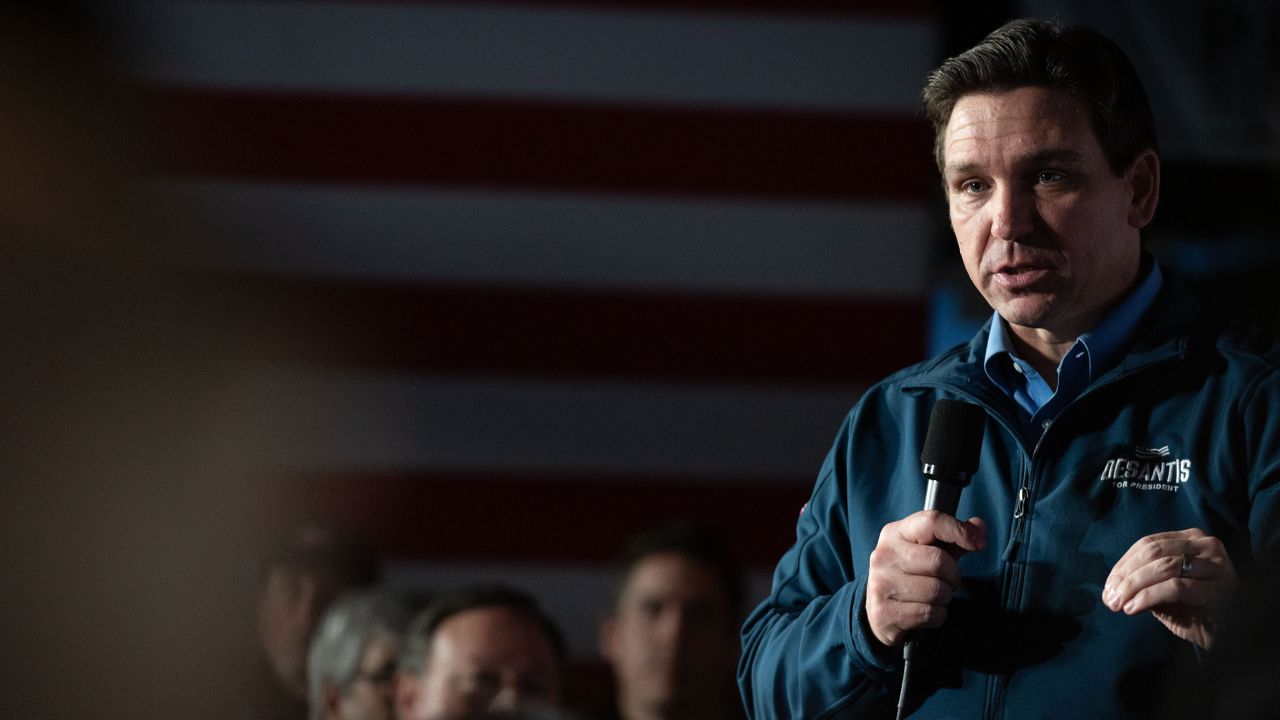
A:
(1261, 413)
(807, 650)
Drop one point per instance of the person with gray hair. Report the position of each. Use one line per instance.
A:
(352, 661)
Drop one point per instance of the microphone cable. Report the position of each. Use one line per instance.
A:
(908, 650)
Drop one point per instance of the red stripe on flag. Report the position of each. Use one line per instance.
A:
(587, 334)
(594, 148)
(472, 517)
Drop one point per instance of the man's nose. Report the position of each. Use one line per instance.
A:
(507, 699)
(512, 696)
(1012, 213)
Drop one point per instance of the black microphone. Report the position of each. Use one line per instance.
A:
(949, 459)
(951, 449)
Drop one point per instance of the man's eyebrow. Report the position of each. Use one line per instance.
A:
(1052, 156)
(961, 169)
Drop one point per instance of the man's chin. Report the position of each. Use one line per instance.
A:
(1031, 311)
(661, 694)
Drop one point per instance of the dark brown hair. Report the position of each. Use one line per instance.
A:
(1076, 60)
(417, 644)
(696, 544)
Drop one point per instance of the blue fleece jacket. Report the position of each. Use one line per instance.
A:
(1183, 432)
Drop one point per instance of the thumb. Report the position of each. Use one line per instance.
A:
(971, 536)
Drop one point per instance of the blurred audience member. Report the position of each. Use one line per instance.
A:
(352, 663)
(479, 649)
(530, 713)
(313, 564)
(672, 635)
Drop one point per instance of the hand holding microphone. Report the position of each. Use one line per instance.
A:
(913, 569)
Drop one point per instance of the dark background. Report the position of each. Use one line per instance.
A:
(168, 407)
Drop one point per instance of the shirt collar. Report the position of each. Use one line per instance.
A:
(1106, 342)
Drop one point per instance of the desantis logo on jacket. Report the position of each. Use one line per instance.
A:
(1147, 469)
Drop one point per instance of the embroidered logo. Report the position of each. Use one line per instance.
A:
(1147, 468)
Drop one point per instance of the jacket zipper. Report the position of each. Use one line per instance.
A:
(1013, 576)
(1011, 586)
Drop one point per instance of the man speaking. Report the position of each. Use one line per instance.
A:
(1131, 452)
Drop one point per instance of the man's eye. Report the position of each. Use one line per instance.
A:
(973, 186)
(483, 683)
(1048, 177)
(535, 688)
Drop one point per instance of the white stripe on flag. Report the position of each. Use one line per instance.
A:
(558, 239)
(512, 51)
(308, 419)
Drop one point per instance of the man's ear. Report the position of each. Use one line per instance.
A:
(406, 695)
(608, 638)
(329, 697)
(1143, 178)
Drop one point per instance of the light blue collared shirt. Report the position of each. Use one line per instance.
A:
(1092, 354)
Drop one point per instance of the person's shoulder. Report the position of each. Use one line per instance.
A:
(1249, 342)
(911, 388)
(1250, 352)
(1236, 341)
(947, 366)
(1208, 324)
(1242, 355)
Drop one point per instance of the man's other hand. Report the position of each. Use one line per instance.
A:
(1181, 577)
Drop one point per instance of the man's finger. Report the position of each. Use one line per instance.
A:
(1157, 570)
(907, 617)
(1177, 591)
(976, 529)
(923, 590)
(1196, 557)
(1150, 549)
(929, 561)
(930, 527)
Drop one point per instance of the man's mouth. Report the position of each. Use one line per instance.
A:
(1020, 277)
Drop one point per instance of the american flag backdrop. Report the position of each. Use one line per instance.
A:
(533, 276)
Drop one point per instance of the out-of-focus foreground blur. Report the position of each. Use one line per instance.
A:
(495, 283)
(124, 510)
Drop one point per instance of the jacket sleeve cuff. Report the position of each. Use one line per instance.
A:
(869, 656)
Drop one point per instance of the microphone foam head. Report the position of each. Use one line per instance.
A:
(954, 439)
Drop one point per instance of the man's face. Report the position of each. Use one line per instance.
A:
(370, 695)
(673, 640)
(1048, 234)
(487, 658)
